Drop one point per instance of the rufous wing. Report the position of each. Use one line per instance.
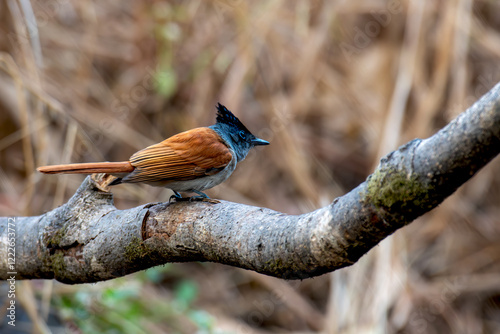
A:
(185, 156)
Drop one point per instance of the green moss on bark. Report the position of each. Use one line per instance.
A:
(398, 191)
(58, 265)
(136, 250)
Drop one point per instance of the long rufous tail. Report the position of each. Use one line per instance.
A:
(88, 168)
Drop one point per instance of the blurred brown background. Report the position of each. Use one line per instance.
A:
(334, 86)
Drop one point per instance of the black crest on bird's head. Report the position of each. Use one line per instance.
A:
(225, 116)
(234, 133)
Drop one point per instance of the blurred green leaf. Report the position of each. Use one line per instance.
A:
(166, 82)
(155, 274)
(202, 319)
(185, 293)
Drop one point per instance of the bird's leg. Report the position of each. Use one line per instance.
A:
(203, 197)
(202, 194)
(177, 197)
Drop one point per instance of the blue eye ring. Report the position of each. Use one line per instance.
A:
(242, 135)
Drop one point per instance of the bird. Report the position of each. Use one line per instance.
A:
(190, 161)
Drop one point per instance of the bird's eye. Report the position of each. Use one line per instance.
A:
(242, 135)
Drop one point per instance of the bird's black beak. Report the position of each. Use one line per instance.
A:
(258, 141)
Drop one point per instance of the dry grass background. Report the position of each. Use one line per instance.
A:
(333, 85)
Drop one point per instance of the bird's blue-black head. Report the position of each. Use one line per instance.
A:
(235, 133)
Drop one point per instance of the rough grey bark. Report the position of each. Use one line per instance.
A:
(89, 240)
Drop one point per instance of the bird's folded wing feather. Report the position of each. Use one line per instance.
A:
(185, 156)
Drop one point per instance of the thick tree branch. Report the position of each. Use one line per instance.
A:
(88, 239)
